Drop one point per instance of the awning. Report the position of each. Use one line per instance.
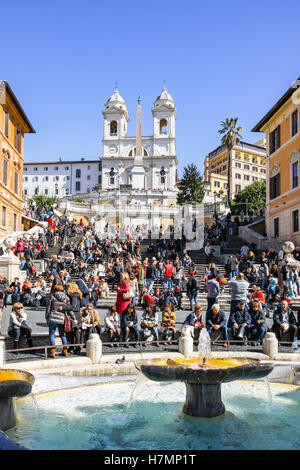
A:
(56, 212)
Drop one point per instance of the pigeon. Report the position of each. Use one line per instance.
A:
(120, 361)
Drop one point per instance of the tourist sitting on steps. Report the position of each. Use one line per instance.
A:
(168, 324)
(149, 324)
(216, 320)
(90, 322)
(129, 324)
(113, 327)
(258, 322)
(239, 321)
(195, 318)
(18, 326)
(284, 321)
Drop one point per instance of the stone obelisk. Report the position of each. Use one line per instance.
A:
(138, 170)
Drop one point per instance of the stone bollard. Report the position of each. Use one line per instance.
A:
(2, 350)
(186, 341)
(270, 345)
(94, 348)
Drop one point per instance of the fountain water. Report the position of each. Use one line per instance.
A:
(204, 348)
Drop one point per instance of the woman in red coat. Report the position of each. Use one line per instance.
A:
(123, 288)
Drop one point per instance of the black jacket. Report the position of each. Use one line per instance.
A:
(278, 317)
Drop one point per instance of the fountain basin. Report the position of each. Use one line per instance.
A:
(203, 380)
(13, 383)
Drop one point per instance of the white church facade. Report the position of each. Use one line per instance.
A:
(144, 168)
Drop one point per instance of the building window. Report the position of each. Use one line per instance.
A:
(66, 168)
(25, 169)
(56, 178)
(238, 176)
(275, 140)
(25, 192)
(295, 216)
(294, 129)
(36, 191)
(217, 184)
(3, 216)
(238, 165)
(113, 128)
(46, 178)
(16, 182)
(45, 168)
(99, 179)
(276, 227)
(262, 170)
(275, 186)
(246, 167)
(5, 168)
(6, 124)
(35, 178)
(89, 167)
(247, 177)
(254, 168)
(88, 177)
(77, 186)
(46, 191)
(15, 220)
(68, 178)
(99, 166)
(18, 136)
(78, 174)
(25, 178)
(56, 168)
(163, 126)
(295, 174)
(237, 188)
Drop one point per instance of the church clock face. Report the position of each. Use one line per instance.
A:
(113, 149)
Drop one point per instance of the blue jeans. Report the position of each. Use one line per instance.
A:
(61, 331)
(193, 297)
(168, 283)
(151, 283)
(257, 332)
(223, 329)
(232, 274)
(160, 274)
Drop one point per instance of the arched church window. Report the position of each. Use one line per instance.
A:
(163, 126)
(113, 127)
(145, 153)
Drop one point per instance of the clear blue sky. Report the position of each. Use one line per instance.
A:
(219, 59)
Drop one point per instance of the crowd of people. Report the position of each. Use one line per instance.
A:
(87, 268)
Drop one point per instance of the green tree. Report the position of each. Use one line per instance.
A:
(254, 195)
(43, 200)
(191, 186)
(232, 136)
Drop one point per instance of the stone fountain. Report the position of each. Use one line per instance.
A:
(203, 376)
(13, 383)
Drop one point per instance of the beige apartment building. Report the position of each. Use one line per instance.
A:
(248, 165)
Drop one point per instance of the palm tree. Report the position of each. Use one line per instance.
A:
(232, 136)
